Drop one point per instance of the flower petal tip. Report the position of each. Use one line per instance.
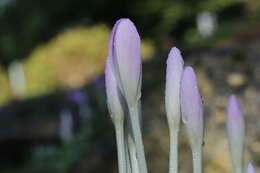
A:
(172, 91)
(175, 56)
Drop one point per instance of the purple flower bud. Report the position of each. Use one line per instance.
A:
(236, 132)
(250, 168)
(124, 49)
(192, 108)
(113, 94)
(173, 82)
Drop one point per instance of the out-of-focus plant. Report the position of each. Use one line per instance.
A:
(236, 133)
(58, 159)
(68, 61)
(5, 93)
(183, 99)
(73, 58)
(250, 168)
(26, 24)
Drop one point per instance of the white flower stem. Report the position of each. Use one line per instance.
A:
(120, 147)
(239, 168)
(132, 151)
(197, 160)
(173, 164)
(128, 163)
(138, 138)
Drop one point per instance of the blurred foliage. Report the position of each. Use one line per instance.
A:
(70, 60)
(57, 57)
(5, 92)
(27, 23)
(213, 5)
(57, 159)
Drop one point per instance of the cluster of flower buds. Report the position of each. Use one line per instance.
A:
(182, 100)
(123, 87)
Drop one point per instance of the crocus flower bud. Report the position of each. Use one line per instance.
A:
(236, 133)
(124, 49)
(250, 168)
(173, 82)
(191, 107)
(114, 99)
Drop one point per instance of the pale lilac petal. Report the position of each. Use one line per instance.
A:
(127, 61)
(250, 168)
(236, 131)
(172, 91)
(113, 94)
(191, 107)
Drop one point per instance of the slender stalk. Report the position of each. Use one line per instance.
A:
(128, 163)
(121, 156)
(197, 160)
(239, 168)
(138, 138)
(238, 160)
(132, 151)
(173, 165)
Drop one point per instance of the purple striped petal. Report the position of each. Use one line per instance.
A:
(172, 91)
(192, 108)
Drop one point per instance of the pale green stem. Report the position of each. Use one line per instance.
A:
(138, 139)
(132, 151)
(239, 168)
(173, 165)
(128, 163)
(197, 160)
(237, 157)
(120, 147)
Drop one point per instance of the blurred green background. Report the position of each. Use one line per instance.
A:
(52, 56)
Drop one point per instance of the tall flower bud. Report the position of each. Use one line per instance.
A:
(124, 49)
(192, 108)
(173, 82)
(236, 133)
(192, 116)
(172, 102)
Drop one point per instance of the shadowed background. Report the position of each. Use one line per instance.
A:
(53, 114)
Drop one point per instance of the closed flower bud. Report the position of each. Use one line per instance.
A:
(172, 91)
(236, 133)
(192, 108)
(124, 49)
